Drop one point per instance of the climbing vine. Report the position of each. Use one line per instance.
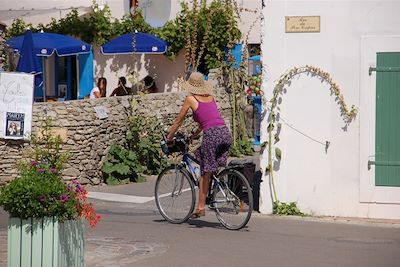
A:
(348, 114)
(205, 30)
(3, 52)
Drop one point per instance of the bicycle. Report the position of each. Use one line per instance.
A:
(230, 195)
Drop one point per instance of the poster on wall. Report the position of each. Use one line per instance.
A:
(16, 98)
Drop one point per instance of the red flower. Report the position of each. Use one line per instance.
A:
(84, 208)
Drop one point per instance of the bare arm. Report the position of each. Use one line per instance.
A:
(97, 94)
(179, 119)
(196, 133)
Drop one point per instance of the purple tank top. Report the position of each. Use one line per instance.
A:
(207, 115)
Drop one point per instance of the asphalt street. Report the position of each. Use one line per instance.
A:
(132, 233)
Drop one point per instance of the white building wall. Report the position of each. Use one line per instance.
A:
(164, 71)
(336, 183)
(39, 11)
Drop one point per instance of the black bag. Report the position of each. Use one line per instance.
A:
(246, 167)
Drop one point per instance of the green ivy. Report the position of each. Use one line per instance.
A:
(281, 208)
(99, 27)
(4, 61)
(221, 34)
(131, 24)
(18, 27)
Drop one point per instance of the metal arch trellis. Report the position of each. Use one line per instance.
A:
(348, 114)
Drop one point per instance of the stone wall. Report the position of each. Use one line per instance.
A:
(88, 138)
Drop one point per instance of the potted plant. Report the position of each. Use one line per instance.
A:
(45, 225)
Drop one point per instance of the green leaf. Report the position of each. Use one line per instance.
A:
(121, 168)
(264, 144)
(278, 153)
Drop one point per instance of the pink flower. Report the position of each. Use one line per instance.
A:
(41, 170)
(64, 198)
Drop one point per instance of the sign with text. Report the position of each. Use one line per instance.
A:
(295, 24)
(16, 98)
(101, 112)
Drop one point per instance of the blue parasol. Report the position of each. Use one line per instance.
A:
(144, 44)
(28, 61)
(45, 44)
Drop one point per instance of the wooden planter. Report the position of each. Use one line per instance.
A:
(45, 242)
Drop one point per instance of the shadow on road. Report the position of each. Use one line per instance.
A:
(202, 224)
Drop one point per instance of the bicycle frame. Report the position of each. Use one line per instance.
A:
(187, 161)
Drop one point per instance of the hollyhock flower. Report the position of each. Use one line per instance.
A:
(41, 170)
(34, 163)
(64, 198)
(53, 170)
(42, 198)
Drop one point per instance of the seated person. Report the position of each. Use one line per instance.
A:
(149, 85)
(122, 89)
(100, 90)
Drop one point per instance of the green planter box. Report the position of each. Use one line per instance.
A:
(45, 242)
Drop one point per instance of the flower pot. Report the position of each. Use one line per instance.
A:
(45, 242)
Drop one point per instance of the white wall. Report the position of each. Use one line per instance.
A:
(165, 71)
(39, 11)
(336, 183)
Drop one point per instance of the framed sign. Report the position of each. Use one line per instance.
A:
(101, 112)
(16, 102)
(295, 24)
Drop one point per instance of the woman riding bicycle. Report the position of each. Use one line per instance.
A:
(214, 149)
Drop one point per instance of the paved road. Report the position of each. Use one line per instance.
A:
(134, 234)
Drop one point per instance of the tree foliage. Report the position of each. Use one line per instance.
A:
(215, 29)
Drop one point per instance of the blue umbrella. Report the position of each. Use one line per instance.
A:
(145, 44)
(255, 58)
(28, 61)
(45, 44)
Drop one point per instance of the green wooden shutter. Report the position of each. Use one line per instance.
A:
(387, 143)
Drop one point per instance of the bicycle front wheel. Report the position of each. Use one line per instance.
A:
(175, 194)
(232, 200)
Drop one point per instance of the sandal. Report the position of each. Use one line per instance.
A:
(198, 213)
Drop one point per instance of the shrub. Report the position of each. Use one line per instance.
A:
(40, 191)
(140, 154)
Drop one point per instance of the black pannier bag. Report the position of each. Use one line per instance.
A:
(247, 167)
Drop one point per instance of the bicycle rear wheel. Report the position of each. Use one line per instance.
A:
(232, 200)
(175, 194)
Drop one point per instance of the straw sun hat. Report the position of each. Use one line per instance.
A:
(197, 85)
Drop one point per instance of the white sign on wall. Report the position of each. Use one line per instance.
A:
(16, 98)
(101, 112)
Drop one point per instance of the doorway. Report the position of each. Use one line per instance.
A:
(66, 78)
